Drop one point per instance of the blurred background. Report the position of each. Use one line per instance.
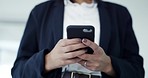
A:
(14, 14)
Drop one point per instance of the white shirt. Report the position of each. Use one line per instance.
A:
(81, 14)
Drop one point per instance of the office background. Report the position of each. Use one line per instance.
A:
(14, 14)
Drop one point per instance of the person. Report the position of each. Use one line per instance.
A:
(45, 52)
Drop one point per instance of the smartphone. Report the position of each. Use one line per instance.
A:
(81, 31)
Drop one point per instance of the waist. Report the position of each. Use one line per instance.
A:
(78, 75)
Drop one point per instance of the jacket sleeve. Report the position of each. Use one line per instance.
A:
(130, 64)
(30, 61)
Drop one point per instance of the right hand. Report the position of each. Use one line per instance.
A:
(63, 53)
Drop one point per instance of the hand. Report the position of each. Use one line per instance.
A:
(63, 53)
(98, 61)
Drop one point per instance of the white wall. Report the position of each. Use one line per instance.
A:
(16, 10)
(14, 14)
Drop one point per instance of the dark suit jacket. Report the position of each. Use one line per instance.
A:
(45, 26)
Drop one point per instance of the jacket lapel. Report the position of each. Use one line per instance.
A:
(105, 23)
(56, 16)
(105, 26)
(57, 20)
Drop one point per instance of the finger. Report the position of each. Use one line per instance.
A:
(91, 44)
(89, 65)
(65, 42)
(87, 57)
(72, 61)
(92, 68)
(75, 53)
(82, 62)
(74, 47)
(85, 63)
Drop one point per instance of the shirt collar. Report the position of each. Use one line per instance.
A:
(84, 4)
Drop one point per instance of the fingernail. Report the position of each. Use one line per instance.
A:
(84, 40)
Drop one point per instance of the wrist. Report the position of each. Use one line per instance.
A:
(109, 68)
(48, 63)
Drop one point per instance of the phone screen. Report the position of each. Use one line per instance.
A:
(81, 31)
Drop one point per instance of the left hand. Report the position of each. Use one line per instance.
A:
(98, 61)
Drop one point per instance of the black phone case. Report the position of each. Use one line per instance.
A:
(75, 31)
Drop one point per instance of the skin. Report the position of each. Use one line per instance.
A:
(63, 54)
(98, 61)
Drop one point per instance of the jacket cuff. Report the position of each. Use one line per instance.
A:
(35, 66)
